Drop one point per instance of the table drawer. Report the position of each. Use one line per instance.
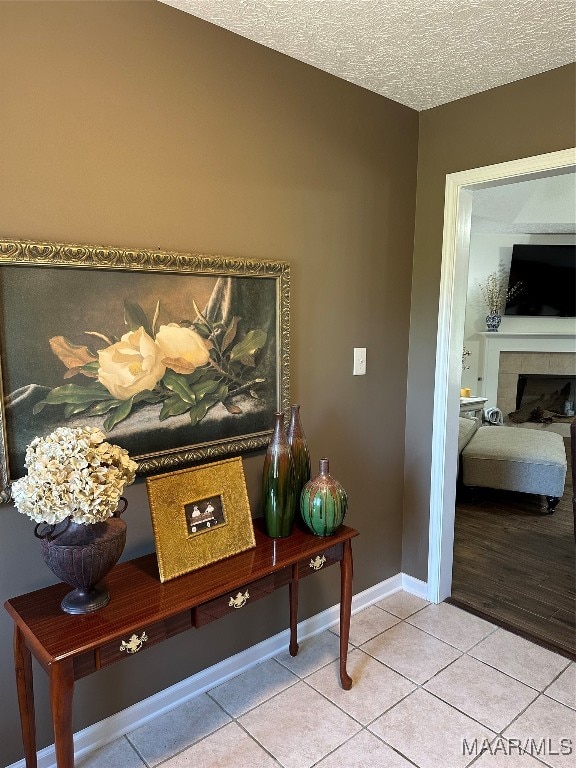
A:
(144, 637)
(235, 600)
(323, 559)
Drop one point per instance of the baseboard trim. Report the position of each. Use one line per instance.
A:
(127, 720)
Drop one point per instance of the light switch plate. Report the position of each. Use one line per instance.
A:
(359, 368)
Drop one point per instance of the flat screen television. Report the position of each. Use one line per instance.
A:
(547, 274)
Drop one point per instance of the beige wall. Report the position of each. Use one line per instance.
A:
(529, 117)
(133, 124)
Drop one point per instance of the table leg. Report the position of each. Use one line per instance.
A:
(25, 688)
(345, 611)
(61, 692)
(293, 588)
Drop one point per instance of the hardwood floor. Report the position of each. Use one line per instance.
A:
(515, 566)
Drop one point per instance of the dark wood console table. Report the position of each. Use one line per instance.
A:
(143, 612)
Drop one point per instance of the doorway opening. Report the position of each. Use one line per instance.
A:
(453, 288)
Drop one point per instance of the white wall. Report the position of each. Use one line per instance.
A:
(487, 254)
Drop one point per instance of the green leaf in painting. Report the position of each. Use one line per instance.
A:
(202, 329)
(197, 413)
(230, 334)
(250, 344)
(178, 384)
(72, 410)
(173, 406)
(118, 415)
(135, 317)
(73, 393)
(205, 388)
(106, 405)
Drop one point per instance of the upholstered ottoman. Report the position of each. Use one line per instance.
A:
(516, 459)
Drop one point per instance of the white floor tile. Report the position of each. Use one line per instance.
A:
(299, 726)
(367, 624)
(313, 653)
(173, 731)
(530, 663)
(251, 688)
(402, 604)
(230, 747)
(452, 625)
(411, 652)
(502, 753)
(364, 751)
(550, 727)
(564, 688)
(489, 696)
(375, 688)
(429, 732)
(117, 753)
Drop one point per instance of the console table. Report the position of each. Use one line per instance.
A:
(143, 612)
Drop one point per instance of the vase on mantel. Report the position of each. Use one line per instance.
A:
(493, 321)
(324, 502)
(300, 453)
(278, 498)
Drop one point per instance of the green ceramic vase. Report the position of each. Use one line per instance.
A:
(278, 498)
(300, 453)
(323, 503)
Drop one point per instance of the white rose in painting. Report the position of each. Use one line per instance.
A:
(183, 349)
(131, 365)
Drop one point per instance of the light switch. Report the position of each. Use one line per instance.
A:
(359, 361)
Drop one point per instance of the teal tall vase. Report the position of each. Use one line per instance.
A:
(323, 503)
(279, 502)
(300, 454)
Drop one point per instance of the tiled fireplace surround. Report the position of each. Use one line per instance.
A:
(506, 355)
(544, 363)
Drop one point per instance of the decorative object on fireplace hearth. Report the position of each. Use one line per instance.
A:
(324, 502)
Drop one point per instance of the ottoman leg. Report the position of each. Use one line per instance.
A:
(552, 502)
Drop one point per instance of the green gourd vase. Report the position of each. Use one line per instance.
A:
(278, 499)
(323, 503)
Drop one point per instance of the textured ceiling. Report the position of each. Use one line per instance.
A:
(420, 53)
(543, 205)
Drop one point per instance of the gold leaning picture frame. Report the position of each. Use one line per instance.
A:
(199, 516)
(178, 357)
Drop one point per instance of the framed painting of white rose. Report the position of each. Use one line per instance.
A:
(177, 357)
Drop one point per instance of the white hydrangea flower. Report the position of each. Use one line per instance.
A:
(73, 472)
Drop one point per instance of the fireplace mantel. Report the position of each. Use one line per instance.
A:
(492, 344)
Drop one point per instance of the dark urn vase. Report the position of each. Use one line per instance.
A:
(324, 502)
(278, 484)
(81, 555)
(300, 453)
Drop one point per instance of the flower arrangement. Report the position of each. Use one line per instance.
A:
(185, 368)
(73, 472)
(496, 293)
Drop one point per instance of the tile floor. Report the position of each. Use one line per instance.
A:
(433, 685)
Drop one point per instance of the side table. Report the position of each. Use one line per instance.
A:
(143, 612)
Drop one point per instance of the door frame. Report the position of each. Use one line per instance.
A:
(449, 344)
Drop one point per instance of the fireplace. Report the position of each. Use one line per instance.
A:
(544, 398)
(535, 387)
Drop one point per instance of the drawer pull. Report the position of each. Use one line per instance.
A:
(240, 600)
(134, 644)
(318, 562)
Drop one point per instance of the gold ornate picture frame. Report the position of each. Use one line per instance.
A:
(199, 515)
(178, 357)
